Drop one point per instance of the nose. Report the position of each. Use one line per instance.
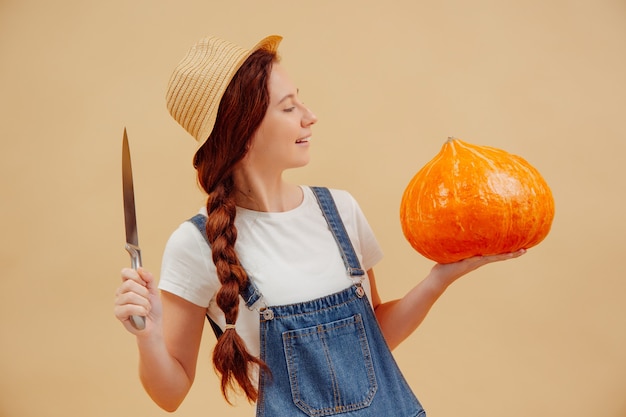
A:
(309, 118)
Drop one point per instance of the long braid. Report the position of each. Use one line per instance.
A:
(230, 351)
(241, 111)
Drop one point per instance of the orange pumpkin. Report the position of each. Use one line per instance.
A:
(475, 200)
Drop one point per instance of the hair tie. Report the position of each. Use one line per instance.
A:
(229, 326)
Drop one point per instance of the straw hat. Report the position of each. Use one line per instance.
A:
(198, 83)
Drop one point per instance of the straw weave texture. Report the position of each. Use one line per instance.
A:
(200, 79)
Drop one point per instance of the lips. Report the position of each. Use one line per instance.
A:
(303, 140)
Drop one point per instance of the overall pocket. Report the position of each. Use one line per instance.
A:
(330, 367)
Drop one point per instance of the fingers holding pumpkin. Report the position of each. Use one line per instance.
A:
(487, 259)
(450, 272)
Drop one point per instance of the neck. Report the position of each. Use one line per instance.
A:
(259, 193)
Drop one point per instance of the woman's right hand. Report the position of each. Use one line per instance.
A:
(137, 296)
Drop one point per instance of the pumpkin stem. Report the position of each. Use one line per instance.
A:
(450, 139)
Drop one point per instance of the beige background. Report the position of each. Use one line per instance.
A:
(544, 335)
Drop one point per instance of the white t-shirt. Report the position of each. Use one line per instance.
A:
(290, 256)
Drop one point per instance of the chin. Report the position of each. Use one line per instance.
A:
(302, 162)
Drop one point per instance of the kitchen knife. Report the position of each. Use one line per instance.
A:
(132, 239)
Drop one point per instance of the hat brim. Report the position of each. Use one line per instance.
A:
(269, 43)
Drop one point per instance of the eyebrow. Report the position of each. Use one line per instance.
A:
(288, 96)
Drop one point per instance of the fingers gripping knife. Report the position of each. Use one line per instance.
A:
(132, 239)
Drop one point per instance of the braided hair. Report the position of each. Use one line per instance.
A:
(240, 113)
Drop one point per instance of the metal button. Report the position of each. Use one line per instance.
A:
(360, 292)
(267, 314)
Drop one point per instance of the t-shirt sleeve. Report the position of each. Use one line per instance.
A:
(187, 270)
(359, 229)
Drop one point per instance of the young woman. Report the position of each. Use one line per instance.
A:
(284, 272)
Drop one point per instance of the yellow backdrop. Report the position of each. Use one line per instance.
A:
(389, 80)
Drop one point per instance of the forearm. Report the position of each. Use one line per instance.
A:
(399, 318)
(162, 376)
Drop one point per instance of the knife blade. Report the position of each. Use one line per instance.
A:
(130, 219)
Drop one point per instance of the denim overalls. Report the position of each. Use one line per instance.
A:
(328, 356)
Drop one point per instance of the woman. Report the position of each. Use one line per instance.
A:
(284, 272)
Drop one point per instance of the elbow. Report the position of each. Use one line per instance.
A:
(170, 409)
(166, 400)
(167, 396)
(168, 405)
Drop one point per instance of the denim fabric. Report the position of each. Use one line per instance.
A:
(328, 356)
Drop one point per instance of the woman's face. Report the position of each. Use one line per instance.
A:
(282, 139)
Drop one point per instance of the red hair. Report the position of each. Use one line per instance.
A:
(240, 113)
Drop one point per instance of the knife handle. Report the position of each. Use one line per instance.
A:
(138, 322)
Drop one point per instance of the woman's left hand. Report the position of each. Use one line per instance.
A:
(453, 271)
(399, 318)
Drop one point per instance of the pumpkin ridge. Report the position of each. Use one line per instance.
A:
(417, 180)
(477, 152)
(422, 184)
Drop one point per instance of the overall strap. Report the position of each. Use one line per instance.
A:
(250, 293)
(329, 209)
